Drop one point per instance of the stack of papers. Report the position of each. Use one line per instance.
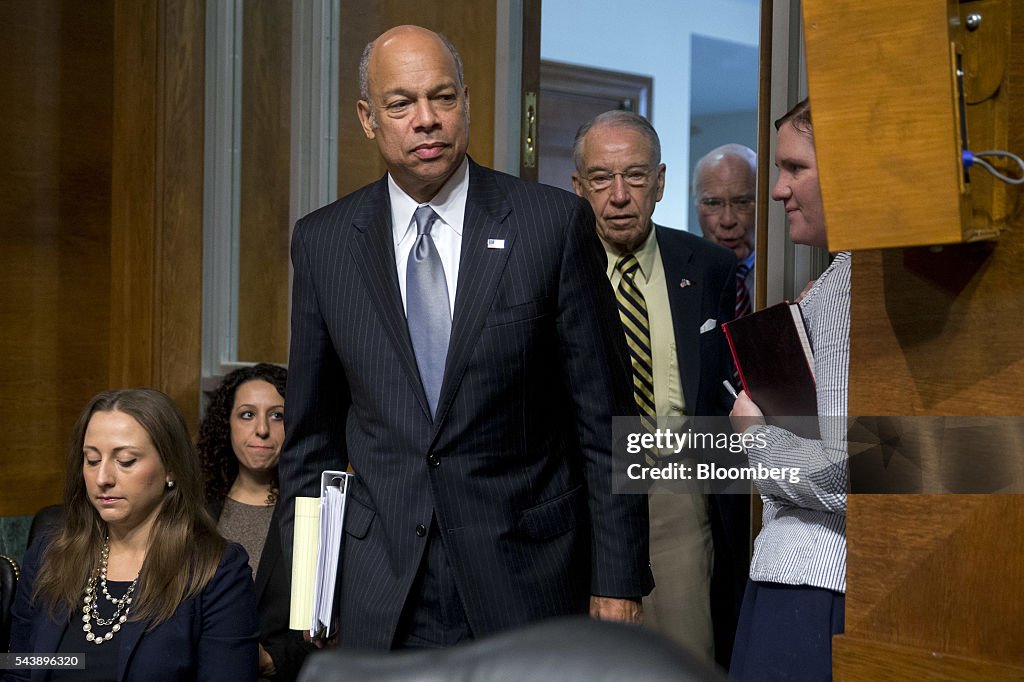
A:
(316, 555)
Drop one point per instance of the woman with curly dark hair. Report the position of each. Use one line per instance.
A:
(240, 439)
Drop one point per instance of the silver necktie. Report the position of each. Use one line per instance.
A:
(427, 309)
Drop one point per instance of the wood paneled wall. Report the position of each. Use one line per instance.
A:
(266, 97)
(55, 136)
(937, 334)
(157, 198)
(101, 211)
(266, 145)
(470, 26)
(101, 198)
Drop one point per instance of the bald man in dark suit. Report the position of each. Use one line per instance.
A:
(455, 342)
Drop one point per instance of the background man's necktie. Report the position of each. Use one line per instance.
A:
(427, 308)
(742, 293)
(636, 325)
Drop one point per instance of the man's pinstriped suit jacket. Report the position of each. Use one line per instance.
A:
(516, 468)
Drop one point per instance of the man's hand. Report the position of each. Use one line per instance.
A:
(610, 608)
(745, 413)
(267, 668)
(320, 642)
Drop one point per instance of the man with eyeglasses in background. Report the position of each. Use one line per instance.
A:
(674, 291)
(724, 182)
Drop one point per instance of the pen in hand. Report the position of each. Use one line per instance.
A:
(728, 387)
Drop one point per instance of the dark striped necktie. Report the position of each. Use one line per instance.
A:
(742, 293)
(636, 325)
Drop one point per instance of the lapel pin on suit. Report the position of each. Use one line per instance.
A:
(495, 243)
(683, 283)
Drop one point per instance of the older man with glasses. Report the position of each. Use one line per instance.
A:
(674, 290)
(723, 184)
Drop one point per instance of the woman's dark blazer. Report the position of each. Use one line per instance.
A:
(273, 602)
(211, 636)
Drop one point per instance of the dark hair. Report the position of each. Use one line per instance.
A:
(799, 116)
(185, 548)
(621, 118)
(220, 465)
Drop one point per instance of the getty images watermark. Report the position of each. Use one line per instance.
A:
(799, 456)
(694, 455)
(664, 446)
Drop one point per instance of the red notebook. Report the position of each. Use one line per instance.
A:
(775, 362)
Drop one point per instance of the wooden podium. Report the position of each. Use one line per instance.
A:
(935, 582)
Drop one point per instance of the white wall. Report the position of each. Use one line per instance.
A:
(649, 37)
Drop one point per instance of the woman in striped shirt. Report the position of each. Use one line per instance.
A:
(794, 600)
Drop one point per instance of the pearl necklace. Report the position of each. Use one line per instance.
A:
(89, 608)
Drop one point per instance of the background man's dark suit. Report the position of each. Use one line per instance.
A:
(710, 271)
(516, 467)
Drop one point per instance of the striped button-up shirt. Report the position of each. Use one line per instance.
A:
(803, 538)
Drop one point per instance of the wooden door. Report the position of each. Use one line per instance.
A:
(934, 582)
(570, 96)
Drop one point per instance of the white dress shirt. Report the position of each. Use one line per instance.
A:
(450, 205)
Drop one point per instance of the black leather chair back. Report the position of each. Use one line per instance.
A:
(8, 585)
(556, 650)
(47, 520)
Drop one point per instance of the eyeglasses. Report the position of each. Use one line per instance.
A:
(634, 177)
(716, 205)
